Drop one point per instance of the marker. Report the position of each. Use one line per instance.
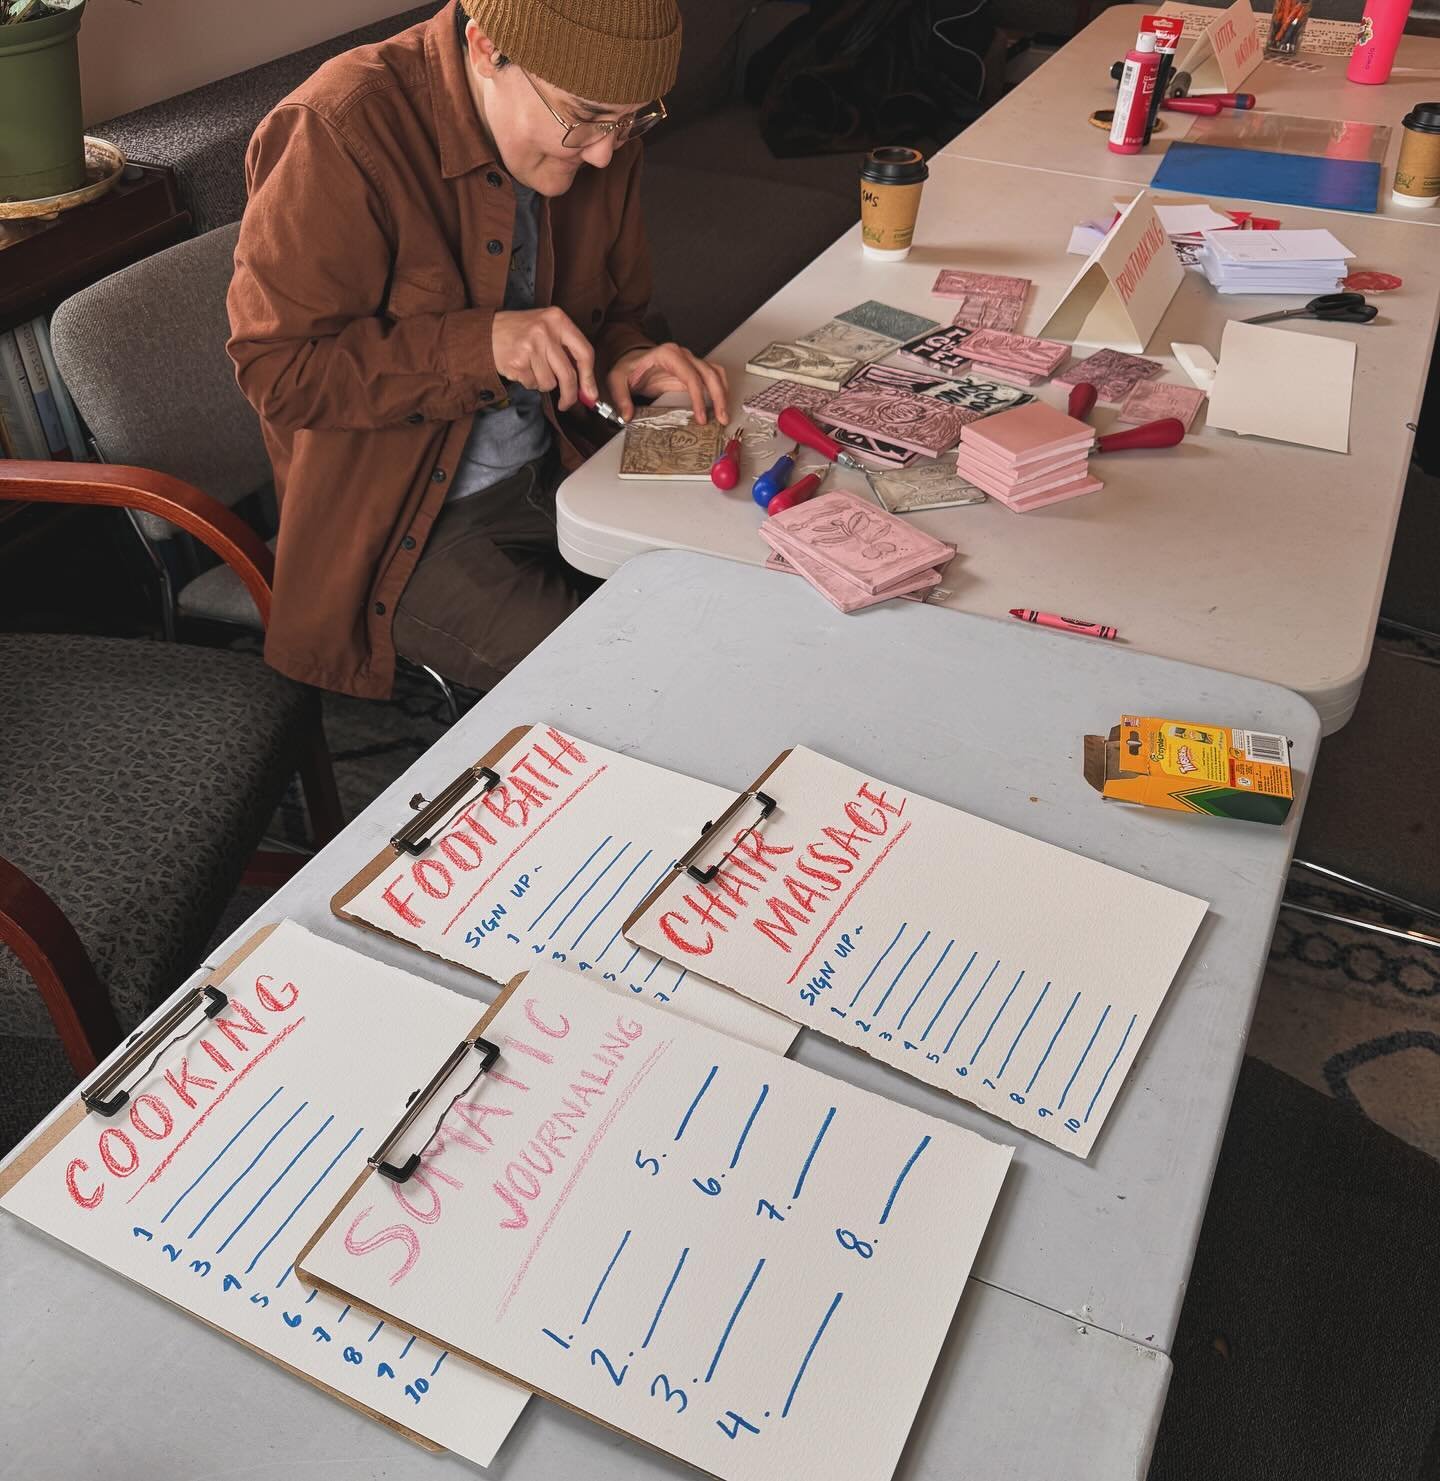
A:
(1065, 624)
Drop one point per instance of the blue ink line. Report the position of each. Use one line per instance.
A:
(628, 960)
(256, 1158)
(584, 894)
(311, 1297)
(889, 1202)
(653, 970)
(555, 1338)
(945, 1001)
(749, 1122)
(342, 1316)
(438, 1361)
(621, 926)
(575, 944)
(725, 1335)
(282, 1279)
(624, 1240)
(1006, 1061)
(684, 973)
(996, 1019)
(569, 882)
(223, 1150)
(873, 970)
(805, 1361)
(698, 1094)
(1110, 1066)
(669, 1286)
(405, 1349)
(814, 1147)
(970, 1009)
(375, 1333)
(313, 1186)
(1083, 1057)
(1051, 1044)
(885, 996)
(933, 970)
(220, 1250)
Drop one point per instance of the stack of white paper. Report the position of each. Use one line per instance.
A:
(1274, 261)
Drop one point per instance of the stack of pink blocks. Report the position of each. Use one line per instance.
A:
(1027, 457)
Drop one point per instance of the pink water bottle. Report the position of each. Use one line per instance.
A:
(1380, 30)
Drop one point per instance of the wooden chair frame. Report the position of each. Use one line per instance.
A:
(31, 924)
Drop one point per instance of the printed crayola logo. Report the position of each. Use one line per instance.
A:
(1185, 761)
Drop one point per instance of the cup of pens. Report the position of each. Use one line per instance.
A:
(1287, 25)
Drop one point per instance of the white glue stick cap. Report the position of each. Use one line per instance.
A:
(1145, 41)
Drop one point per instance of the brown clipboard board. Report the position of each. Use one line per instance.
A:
(387, 857)
(669, 878)
(31, 1156)
(501, 999)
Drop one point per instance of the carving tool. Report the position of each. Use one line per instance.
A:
(1167, 432)
(1082, 400)
(793, 422)
(725, 470)
(602, 409)
(797, 493)
(773, 479)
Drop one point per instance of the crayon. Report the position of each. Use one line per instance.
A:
(1064, 624)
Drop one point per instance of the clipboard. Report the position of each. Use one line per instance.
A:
(106, 1093)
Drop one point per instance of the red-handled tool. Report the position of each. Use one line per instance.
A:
(793, 423)
(1167, 432)
(602, 409)
(725, 470)
(1082, 400)
(1205, 107)
(797, 493)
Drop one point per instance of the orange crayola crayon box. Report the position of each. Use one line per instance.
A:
(1192, 768)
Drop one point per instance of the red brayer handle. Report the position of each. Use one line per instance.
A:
(1167, 432)
(794, 424)
(797, 493)
(1082, 400)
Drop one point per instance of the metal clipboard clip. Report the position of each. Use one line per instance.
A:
(402, 1172)
(687, 859)
(416, 836)
(106, 1094)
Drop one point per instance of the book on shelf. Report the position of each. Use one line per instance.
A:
(38, 419)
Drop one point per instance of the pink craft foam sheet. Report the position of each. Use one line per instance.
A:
(1150, 401)
(995, 347)
(775, 396)
(1027, 434)
(1113, 373)
(924, 424)
(850, 536)
(1081, 486)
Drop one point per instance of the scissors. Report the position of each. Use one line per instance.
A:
(1337, 308)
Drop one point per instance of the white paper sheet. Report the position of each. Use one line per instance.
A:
(205, 1186)
(734, 1258)
(1185, 220)
(1001, 969)
(1283, 384)
(548, 866)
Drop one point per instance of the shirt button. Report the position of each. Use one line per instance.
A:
(438, 476)
(494, 179)
(415, 418)
(379, 609)
(408, 543)
(494, 246)
(487, 395)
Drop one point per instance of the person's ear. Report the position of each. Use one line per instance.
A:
(481, 50)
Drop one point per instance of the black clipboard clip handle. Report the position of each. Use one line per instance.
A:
(418, 834)
(415, 1106)
(705, 875)
(108, 1094)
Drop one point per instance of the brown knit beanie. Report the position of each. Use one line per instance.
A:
(609, 51)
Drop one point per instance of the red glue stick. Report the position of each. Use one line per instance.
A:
(1137, 89)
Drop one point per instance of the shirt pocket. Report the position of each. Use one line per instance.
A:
(424, 292)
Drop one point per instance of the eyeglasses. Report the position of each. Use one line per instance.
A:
(621, 130)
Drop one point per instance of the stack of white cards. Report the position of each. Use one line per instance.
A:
(1274, 261)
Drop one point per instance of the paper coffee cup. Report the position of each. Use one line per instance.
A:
(891, 180)
(1417, 171)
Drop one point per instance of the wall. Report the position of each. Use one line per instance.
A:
(131, 55)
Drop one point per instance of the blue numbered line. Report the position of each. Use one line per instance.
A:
(809, 1353)
(643, 894)
(1015, 1043)
(725, 1335)
(553, 898)
(749, 1122)
(355, 1135)
(624, 1240)
(665, 1296)
(1003, 1006)
(584, 894)
(223, 1150)
(1103, 1078)
(878, 960)
(1035, 1074)
(575, 944)
(814, 1147)
(438, 1361)
(376, 1332)
(220, 1249)
(904, 1173)
(885, 997)
(249, 1168)
(970, 1008)
(939, 961)
(1084, 1056)
(699, 1095)
(945, 1001)
(405, 1349)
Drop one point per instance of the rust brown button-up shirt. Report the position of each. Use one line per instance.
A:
(371, 262)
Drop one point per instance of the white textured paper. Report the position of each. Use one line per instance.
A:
(727, 1255)
(1283, 384)
(547, 867)
(211, 1214)
(1004, 970)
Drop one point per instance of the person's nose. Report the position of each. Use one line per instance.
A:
(600, 153)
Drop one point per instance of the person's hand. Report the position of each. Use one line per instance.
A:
(668, 367)
(544, 351)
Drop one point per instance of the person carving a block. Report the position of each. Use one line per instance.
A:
(441, 254)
